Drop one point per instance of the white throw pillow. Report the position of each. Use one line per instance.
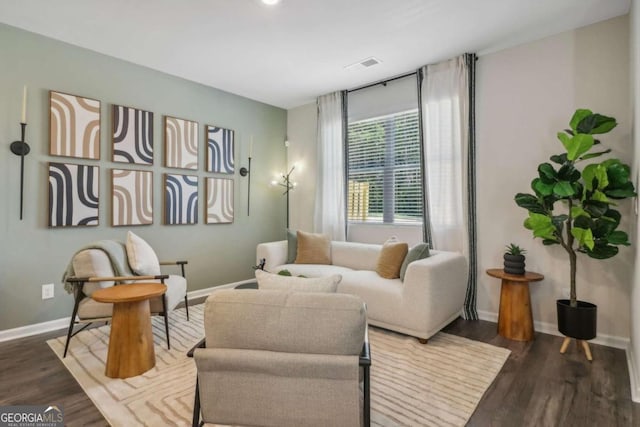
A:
(142, 258)
(268, 281)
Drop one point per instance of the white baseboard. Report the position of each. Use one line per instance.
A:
(36, 328)
(633, 374)
(52, 325)
(552, 329)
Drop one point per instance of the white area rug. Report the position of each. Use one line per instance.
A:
(437, 384)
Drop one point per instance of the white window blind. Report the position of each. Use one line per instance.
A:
(384, 177)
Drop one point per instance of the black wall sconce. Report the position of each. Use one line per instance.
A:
(247, 172)
(21, 148)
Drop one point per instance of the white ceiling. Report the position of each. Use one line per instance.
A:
(288, 54)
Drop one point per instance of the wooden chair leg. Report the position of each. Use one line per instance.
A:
(423, 340)
(565, 344)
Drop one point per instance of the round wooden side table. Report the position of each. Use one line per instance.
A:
(515, 320)
(131, 349)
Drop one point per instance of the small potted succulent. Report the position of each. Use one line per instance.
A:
(514, 259)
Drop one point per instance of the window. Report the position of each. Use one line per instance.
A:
(383, 157)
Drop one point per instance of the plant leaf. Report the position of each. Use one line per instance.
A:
(565, 139)
(584, 236)
(603, 251)
(547, 173)
(593, 155)
(599, 196)
(548, 242)
(559, 158)
(595, 176)
(623, 192)
(596, 209)
(558, 222)
(618, 237)
(579, 145)
(541, 189)
(578, 116)
(541, 226)
(568, 173)
(563, 189)
(577, 211)
(597, 124)
(617, 173)
(530, 203)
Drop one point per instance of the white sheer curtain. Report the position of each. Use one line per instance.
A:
(445, 107)
(329, 216)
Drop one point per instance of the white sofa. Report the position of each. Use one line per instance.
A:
(431, 296)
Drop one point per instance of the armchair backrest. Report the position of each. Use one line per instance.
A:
(281, 358)
(106, 258)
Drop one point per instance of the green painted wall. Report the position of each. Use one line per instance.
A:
(32, 254)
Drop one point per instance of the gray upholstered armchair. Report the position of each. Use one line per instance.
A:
(275, 358)
(107, 263)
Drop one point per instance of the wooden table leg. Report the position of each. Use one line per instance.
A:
(131, 349)
(565, 345)
(515, 320)
(587, 350)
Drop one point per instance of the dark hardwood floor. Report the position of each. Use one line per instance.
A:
(536, 387)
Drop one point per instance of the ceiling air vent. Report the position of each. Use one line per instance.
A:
(369, 62)
(365, 63)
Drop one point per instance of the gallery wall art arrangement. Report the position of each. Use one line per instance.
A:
(180, 143)
(219, 201)
(220, 150)
(74, 126)
(132, 135)
(132, 202)
(181, 199)
(74, 189)
(73, 194)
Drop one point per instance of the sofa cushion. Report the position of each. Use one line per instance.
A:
(390, 259)
(142, 258)
(357, 256)
(419, 251)
(313, 248)
(384, 297)
(268, 281)
(311, 270)
(295, 322)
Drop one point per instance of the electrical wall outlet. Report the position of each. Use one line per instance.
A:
(47, 291)
(566, 292)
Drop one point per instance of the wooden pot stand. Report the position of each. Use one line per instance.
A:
(579, 343)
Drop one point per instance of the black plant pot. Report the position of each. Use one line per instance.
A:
(514, 264)
(577, 322)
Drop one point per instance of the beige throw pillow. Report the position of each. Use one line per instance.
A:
(390, 259)
(313, 248)
(268, 281)
(142, 258)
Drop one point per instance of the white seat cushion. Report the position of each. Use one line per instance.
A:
(383, 296)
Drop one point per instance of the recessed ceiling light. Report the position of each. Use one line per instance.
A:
(270, 2)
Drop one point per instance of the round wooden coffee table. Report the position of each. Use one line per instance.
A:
(515, 320)
(131, 349)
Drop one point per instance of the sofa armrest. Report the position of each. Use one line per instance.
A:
(275, 253)
(440, 281)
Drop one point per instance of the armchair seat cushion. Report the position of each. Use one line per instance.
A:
(176, 290)
(91, 309)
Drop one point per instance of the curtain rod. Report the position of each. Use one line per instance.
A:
(382, 82)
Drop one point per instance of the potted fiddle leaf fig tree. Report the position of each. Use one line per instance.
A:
(574, 205)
